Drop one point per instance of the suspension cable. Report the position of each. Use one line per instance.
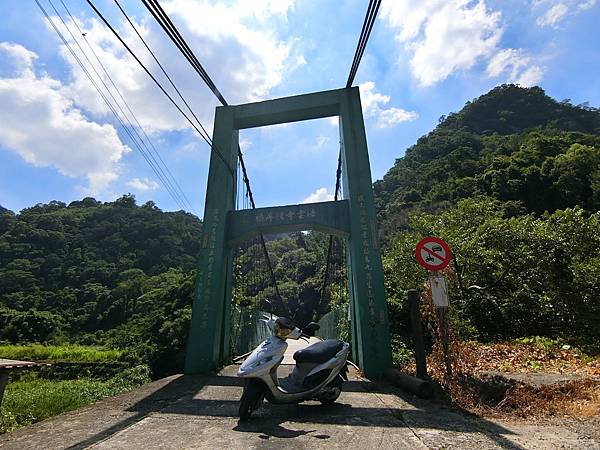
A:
(365, 32)
(364, 37)
(167, 25)
(171, 30)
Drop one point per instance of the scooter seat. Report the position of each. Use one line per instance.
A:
(319, 352)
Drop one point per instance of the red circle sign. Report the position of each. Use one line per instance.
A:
(433, 253)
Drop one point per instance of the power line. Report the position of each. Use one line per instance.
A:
(165, 72)
(104, 98)
(169, 28)
(169, 182)
(168, 175)
(116, 34)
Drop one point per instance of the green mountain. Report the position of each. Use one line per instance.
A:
(513, 144)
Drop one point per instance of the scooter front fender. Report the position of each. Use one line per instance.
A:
(264, 357)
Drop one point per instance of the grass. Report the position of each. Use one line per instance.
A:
(60, 353)
(30, 399)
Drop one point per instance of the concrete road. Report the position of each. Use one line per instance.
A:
(200, 412)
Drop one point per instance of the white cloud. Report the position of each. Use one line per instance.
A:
(552, 12)
(443, 36)
(245, 144)
(321, 141)
(235, 43)
(320, 195)
(142, 184)
(373, 104)
(552, 16)
(516, 66)
(42, 124)
(586, 4)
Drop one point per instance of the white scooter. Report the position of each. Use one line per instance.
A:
(318, 374)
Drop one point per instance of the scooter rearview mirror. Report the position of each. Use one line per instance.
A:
(270, 307)
(311, 328)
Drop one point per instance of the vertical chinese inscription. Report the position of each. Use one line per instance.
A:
(365, 241)
(206, 282)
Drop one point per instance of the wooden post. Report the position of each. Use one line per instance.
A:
(3, 383)
(443, 318)
(417, 331)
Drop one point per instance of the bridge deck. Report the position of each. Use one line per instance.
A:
(293, 347)
(200, 412)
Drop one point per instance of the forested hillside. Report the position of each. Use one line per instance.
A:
(88, 271)
(513, 144)
(512, 183)
(122, 275)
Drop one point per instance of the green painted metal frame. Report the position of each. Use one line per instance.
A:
(329, 217)
(352, 218)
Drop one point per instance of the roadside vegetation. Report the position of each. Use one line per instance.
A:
(30, 398)
(61, 353)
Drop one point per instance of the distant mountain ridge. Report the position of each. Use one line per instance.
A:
(514, 144)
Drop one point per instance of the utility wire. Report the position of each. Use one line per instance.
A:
(104, 98)
(171, 30)
(148, 155)
(164, 72)
(168, 175)
(206, 139)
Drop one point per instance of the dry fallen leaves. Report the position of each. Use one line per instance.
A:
(477, 383)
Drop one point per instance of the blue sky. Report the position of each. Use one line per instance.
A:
(425, 58)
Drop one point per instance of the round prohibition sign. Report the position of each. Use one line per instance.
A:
(433, 253)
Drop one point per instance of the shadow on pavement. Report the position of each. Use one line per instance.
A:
(182, 396)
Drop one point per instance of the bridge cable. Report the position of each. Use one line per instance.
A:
(368, 23)
(167, 25)
(367, 27)
(105, 99)
(171, 30)
(205, 138)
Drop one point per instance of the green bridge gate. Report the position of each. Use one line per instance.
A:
(353, 219)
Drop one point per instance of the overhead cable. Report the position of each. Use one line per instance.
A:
(171, 30)
(102, 95)
(152, 151)
(365, 32)
(364, 37)
(164, 72)
(206, 139)
(167, 25)
(164, 175)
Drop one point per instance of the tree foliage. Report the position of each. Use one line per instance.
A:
(511, 144)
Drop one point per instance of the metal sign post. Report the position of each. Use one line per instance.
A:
(434, 254)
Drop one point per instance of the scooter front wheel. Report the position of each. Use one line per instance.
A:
(254, 393)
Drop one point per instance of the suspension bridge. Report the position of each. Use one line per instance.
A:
(237, 280)
(234, 228)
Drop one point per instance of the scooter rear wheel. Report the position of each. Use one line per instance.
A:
(331, 392)
(254, 393)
